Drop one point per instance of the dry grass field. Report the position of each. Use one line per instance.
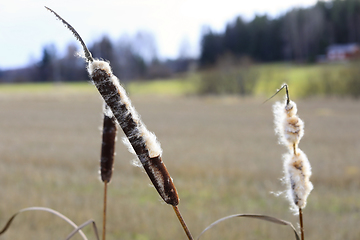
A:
(221, 152)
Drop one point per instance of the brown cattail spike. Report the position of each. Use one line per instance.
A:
(108, 147)
(161, 179)
(141, 140)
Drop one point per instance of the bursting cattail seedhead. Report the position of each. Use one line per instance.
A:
(142, 141)
(297, 172)
(290, 129)
(116, 98)
(288, 126)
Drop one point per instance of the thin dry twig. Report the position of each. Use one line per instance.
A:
(256, 216)
(182, 222)
(301, 224)
(78, 229)
(8, 223)
(277, 91)
(104, 211)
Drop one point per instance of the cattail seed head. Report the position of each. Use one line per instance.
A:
(142, 141)
(162, 181)
(108, 148)
(109, 132)
(297, 171)
(290, 108)
(288, 126)
(290, 129)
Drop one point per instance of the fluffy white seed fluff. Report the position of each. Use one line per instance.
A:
(288, 126)
(152, 145)
(107, 111)
(136, 161)
(297, 172)
(127, 143)
(151, 142)
(98, 64)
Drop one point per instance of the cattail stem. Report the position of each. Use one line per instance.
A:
(104, 211)
(301, 223)
(294, 145)
(182, 222)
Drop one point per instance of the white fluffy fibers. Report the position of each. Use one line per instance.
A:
(123, 108)
(288, 126)
(297, 171)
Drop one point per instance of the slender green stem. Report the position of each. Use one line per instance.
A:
(104, 211)
(183, 224)
(301, 224)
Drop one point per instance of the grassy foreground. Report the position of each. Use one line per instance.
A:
(221, 151)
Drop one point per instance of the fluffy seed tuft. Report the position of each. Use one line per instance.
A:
(297, 172)
(288, 126)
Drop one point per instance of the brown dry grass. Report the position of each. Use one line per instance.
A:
(222, 153)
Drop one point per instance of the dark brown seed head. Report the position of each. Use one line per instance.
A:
(108, 148)
(119, 105)
(101, 74)
(162, 181)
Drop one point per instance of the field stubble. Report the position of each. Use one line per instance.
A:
(221, 152)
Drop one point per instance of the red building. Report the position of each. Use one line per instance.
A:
(339, 52)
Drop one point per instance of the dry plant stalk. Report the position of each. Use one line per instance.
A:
(143, 142)
(77, 229)
(107, 155)
(290, 129)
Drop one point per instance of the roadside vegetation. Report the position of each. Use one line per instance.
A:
(248, 79)
(242, 78)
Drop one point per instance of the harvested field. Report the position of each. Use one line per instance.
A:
(221, 152)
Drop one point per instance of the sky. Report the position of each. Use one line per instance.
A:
(26, 26)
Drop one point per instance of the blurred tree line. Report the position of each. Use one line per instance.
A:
(299, 35)
(131, 57)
